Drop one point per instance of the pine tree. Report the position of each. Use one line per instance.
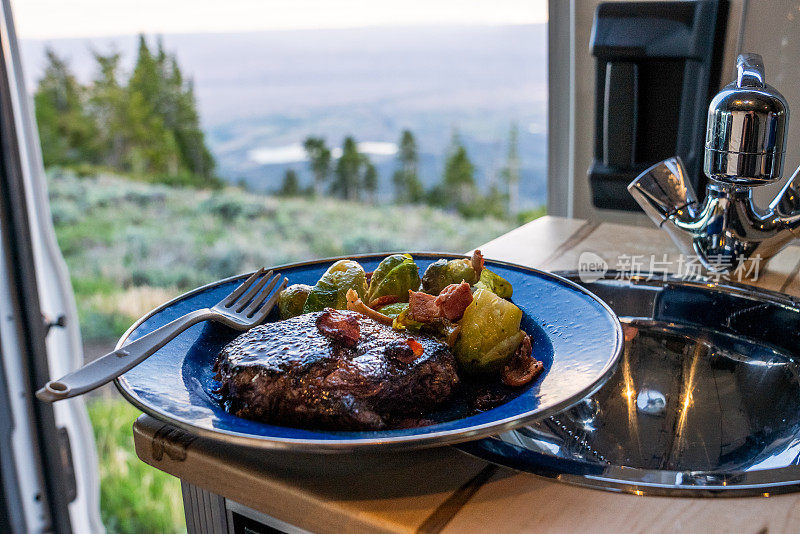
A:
(494, 203)
(166, 125)
(108, 105)
(67, 132)
(458, 182)
(149, 126)
(319, 157)
(146, 78)
(291, 184)
(407, 186)
(155, 150)
(370, 180)
(178, 106)
(347, 175)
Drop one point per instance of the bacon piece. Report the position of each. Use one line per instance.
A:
(416, 347)
(522, 367)
(341, 327)
(449, 304)
(354, 303)
(453, 300)
(383, 301)
(477, 262)
(422, 306)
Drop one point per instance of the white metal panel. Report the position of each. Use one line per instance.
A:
(64, 346)
(21, 437)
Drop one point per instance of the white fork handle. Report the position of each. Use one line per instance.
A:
(106, 368)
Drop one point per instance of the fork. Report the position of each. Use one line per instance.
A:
(243, 309)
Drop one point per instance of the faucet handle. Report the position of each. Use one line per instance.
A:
(746, 129)
(787, 201)
(663, 190)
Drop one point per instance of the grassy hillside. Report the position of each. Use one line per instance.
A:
(130, 246)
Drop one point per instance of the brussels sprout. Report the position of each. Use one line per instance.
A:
(404, 322)
(395, 275)
(292, 299)
(442, 273)
(393, 310)
(495, 283)
(489, 332)
(434, 279)
(331, 290)
(461, 271)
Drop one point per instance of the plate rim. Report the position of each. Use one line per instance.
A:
(441, 438)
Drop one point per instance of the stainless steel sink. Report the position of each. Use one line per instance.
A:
(705, 400)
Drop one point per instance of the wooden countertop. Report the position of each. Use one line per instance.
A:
(443, 490)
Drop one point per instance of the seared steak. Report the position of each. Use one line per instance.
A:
(334, 370)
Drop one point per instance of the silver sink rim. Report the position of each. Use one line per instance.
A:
(639, 481)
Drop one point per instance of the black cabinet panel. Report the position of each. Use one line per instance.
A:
(657, 69)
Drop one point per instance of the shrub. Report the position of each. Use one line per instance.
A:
(125, 234)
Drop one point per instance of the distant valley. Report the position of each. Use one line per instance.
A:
(260, 94)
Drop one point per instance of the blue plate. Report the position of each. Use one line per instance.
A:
(575, 335)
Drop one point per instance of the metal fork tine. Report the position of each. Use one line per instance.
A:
(230, 299)
(262, 312)
(242, 301)
(253, 306)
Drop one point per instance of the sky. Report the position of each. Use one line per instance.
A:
(50, 19)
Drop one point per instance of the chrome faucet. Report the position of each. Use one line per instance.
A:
(744, 148)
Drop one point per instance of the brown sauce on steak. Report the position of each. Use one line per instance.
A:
(290, 373)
